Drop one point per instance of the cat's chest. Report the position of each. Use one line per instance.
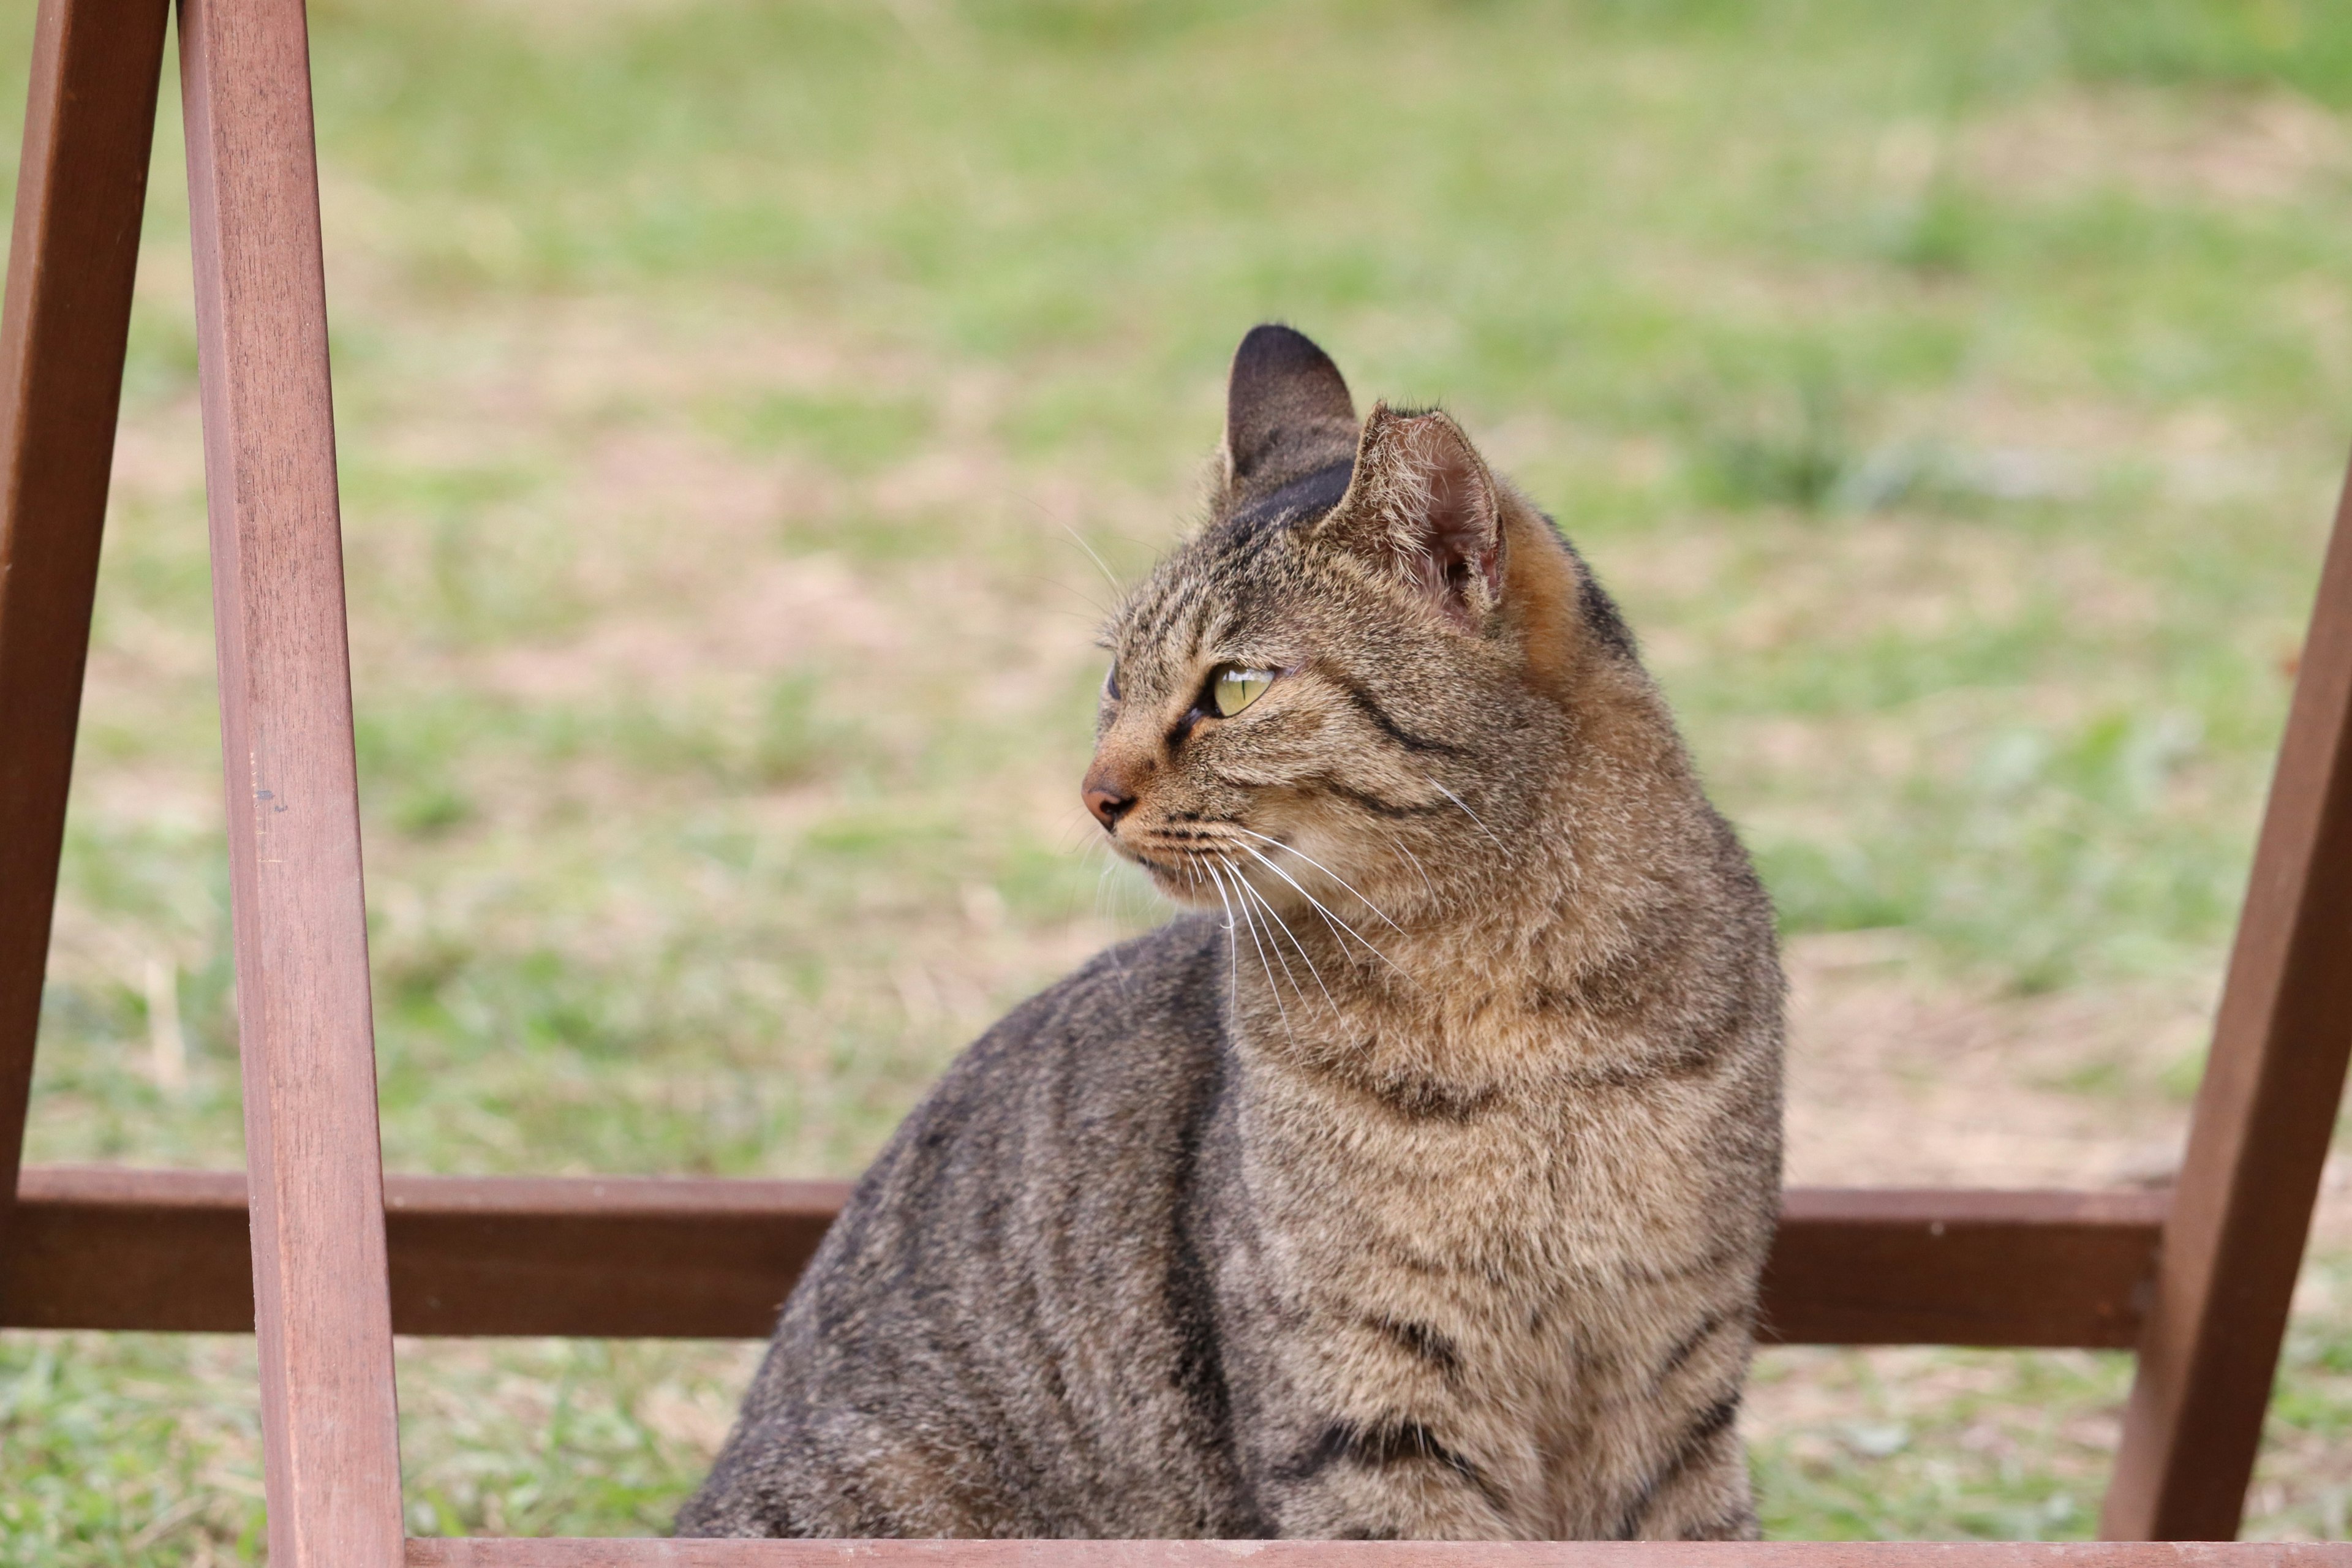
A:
(1526, 1191)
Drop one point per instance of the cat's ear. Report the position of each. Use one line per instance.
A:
(1423, 504)
(1287, 413)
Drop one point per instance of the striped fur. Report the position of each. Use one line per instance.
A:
(1415, 1188)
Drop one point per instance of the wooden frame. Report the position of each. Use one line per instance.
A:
(323, 1257)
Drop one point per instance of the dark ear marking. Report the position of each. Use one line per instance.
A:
(1309, 498)
(1287, 414)
(1423, 504)
(1602, 617)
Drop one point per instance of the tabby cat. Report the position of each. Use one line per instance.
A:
(1418, 1185)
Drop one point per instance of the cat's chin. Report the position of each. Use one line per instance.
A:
(1172, 883)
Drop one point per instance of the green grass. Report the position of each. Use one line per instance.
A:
(1954, 393)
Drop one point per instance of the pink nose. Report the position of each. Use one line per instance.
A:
(1108, 796)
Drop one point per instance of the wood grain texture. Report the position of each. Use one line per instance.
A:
(81, 185)
(2259, 1132)
(654, 1258)
(579, 1554)
(323, 1318)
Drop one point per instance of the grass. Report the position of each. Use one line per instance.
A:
(1954, 398)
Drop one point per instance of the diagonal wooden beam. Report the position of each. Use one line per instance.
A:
(322, 1312)
(81, 185)
(2265, 1110)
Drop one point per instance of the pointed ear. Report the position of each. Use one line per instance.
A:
(1287, 413)
(1423, 505)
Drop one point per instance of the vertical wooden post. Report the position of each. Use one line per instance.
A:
(322, 1291)
(89, 126)
(2242, 1206)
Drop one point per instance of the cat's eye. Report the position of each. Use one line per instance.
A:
(1232, 688)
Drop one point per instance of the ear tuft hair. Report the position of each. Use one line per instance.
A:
(1423, 504)
(1287, 413)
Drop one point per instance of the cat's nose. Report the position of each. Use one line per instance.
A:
(1108, 797)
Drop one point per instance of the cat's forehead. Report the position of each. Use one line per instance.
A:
(1185, 605)
(1213, 590)
(1234, 578)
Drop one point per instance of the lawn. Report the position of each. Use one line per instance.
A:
(732, 398)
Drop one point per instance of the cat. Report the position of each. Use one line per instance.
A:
(1418, 1185)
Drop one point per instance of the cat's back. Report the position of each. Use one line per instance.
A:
(983, 1344)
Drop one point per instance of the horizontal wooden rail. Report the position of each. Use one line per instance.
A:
(1897, 1266)
(98, 1247)
(586, 1553)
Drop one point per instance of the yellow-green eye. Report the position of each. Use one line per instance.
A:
(1236, 688)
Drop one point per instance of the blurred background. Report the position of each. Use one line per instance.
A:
(731, 396)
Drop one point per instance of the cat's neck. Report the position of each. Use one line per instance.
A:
(1516, 974)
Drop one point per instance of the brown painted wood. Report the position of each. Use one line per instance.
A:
(633, 1257)
(460, 1552)
(330, 1438)
(81, 185)
(1891, 1265)
(704, 1259)
(656, 1258)
(2263, 1117)
(99, 1248)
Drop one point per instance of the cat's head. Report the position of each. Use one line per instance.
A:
(1358, 681)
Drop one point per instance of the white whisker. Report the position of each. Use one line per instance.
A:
(1318, 865)
(1334, 921)
(1396, 842)
(1099, 566)
(1250, 892)
(1275, 916)
(1472, 816)
(1232, 943)
(1252, 920)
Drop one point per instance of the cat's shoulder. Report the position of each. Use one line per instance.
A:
(1155, 987)
(1119, 1050)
